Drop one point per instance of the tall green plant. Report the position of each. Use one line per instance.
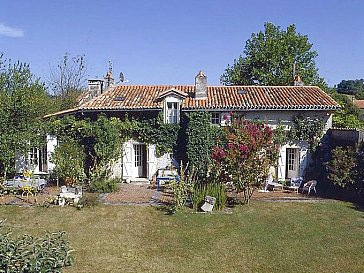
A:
(105, 145)
(217, 190)
(100, 141)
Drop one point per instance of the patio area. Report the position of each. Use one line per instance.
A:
(141, 193)
(145, 194)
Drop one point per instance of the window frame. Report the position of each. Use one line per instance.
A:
(216, 120)
(172, 109)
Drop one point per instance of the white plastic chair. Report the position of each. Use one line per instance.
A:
(310, 185)
(273, 184)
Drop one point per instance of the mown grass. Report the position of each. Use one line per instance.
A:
(261, 237)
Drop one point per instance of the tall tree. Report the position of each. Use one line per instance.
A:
(23, 101)
(353, 87)
(269, 58)
(349, 115)
(68, 81)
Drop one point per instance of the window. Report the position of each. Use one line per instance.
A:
(43, 159)
(215, 118)
(37, 159)
(33, 156)
(172, 112)
(138, 155)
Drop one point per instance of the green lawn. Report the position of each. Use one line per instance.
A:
(261, 237)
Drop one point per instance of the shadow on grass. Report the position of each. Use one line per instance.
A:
(345, 196)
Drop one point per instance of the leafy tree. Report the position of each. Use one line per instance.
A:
(348, 115)
(68, 80)
(23, 101)
(353, 87)
(269, 57)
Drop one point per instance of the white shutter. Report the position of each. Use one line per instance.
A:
(51, 145)
(152, 161)
(282, 163)
(127, 160)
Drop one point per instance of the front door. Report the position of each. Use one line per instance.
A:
(292, 162)
(140, 160)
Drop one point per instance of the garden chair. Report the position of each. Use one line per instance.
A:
(309, 186)
(272, 184)
(296, 181)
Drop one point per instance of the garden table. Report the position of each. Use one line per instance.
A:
(292, 188)
(36, 183)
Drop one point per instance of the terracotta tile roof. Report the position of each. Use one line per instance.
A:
(359, 103)
(218, 97)
(133, 97)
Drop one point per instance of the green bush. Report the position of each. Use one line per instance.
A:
(88, 200)
(216, 190)
(104, 185)
(68, 158)
(29, 254)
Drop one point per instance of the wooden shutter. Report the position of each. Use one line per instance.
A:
(127, 160)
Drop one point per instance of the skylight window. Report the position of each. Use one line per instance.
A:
(242, 92)
(119, 98)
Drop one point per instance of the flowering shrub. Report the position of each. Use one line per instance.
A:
(244, 155)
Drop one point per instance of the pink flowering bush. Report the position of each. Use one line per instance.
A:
(245, 153)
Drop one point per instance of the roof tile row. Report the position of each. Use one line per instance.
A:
(126, 97)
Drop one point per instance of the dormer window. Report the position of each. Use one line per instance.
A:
(172, 112)
(172, 101)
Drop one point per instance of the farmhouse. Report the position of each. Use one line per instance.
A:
(271, 104)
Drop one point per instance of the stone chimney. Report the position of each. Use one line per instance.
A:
(95, 87)
(298, 81)
(201, 86)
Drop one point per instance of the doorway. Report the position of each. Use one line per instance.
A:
(292, 162)
(140, 160)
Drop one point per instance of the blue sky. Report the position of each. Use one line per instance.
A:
(168, 42)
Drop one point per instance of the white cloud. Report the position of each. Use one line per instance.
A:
(10, 31)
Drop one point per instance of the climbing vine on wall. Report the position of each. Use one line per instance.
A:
(200, 137)
(306, 129)
(155, 131)
(100, 140)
